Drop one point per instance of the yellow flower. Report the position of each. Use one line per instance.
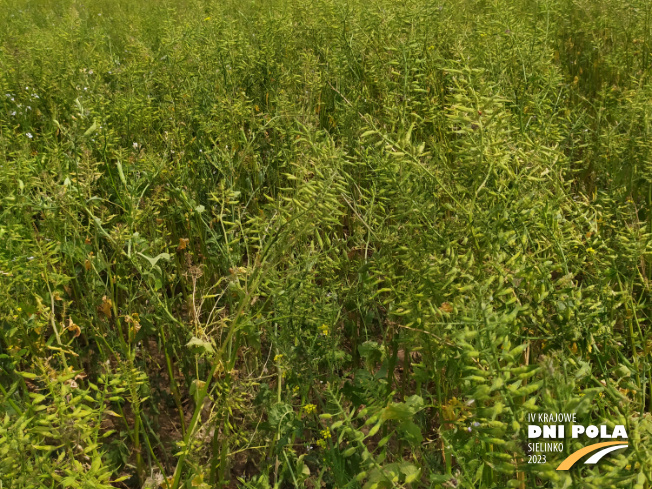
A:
(324, 330)
(278, 358)
(321, 443)
(590, 250)
(325, 434)
(310, 408)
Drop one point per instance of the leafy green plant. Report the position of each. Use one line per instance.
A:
(330, 244)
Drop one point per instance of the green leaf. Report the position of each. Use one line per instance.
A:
(91, 129)
(411, 432)
(200, 345)
(411, 472)
(348, 452)
(375, 429)
(153, 261)
(121, 173)
(403, 410)
(280, 414)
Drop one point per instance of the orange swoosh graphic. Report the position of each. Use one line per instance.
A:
(574, 457)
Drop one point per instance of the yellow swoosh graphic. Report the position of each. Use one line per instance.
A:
(575, 456)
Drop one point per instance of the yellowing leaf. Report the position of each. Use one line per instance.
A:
(183, 244)
(106, 306)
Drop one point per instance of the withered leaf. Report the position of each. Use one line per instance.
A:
(446, 307)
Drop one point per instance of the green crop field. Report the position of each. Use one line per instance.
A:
(327, 244)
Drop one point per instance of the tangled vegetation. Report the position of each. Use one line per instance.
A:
(288, 244)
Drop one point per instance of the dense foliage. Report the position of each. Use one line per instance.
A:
(326, 243)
